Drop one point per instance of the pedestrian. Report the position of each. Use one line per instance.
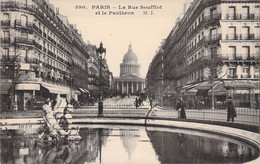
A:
(181, 108)
(136, 103)
(231, 111)
(151, 102)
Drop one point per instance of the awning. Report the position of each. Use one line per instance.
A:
(86, 91)
(76, 92)
(33, 87)
(219, 89)
(239, 84)
(170, 91)
(204, 86)
(82, 90)
(186, 87)
(191, 91)
(57, 89)
(5, 86)
(257, 86)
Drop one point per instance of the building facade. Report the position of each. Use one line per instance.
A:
(41, 55)
(130, 81)
(107, 81)
(79, 69)
(213, 53)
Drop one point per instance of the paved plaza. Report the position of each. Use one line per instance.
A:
(124, 107)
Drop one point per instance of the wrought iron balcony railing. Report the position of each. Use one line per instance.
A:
(23, 24)
(232, 76)
(232, 37)
(24, 40)
(5, 40)
(5, 23)
(212, 39)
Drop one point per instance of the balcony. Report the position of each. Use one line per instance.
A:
(22, 24)
(5, 40)
(233, 16)
(60, 59)
(5, 23)
(199, 62)
(247, 37)
(248, 16)
(241, 58)
(37, 45)
(246, 76)
(232, 76)
(32, 60)
(232, 37)
(212, 18)
(201, 42)
(37, 29)
(18, 5)
(213, 39)
(51, 54)
(24, 40)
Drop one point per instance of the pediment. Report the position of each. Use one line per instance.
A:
(131, 76)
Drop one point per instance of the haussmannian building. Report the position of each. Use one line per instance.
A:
(215, 44)
(42, 55)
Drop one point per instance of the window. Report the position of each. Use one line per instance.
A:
(24, 54)
(24, 34)
(245, 70)
(6, 16)
(231, 12)
(24, 20)
(232, 33)
(6, 38)
(245, 32)
(232, 54)
(213, 51)
(6, 52)
(213, 11)
(6, 34)
(246, 52)
(213, 33)
(245, 12)
(232, 72)
(257, 50)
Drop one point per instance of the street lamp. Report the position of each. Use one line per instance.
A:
(101, 52)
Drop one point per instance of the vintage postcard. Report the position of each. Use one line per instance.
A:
(130, 81)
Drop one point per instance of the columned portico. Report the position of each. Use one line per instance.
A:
(129, 86)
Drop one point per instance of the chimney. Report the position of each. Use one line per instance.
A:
(57, 11)
(184, 8)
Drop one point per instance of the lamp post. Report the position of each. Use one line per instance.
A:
(101, 52)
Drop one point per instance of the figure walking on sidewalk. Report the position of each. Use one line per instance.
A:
(181, 109)
(136, 103)
(231, 111)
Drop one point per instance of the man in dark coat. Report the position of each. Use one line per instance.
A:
(181, 108)
(231, 111)
(136, 103)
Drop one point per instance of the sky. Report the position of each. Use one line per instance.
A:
(144, 32)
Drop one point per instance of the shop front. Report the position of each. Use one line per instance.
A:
(243, 92)
(26, 96)
(5, 98)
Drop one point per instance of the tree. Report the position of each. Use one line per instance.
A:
(10, 70)
(214, 63)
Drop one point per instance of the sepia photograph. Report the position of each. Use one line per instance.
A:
(129, 81)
